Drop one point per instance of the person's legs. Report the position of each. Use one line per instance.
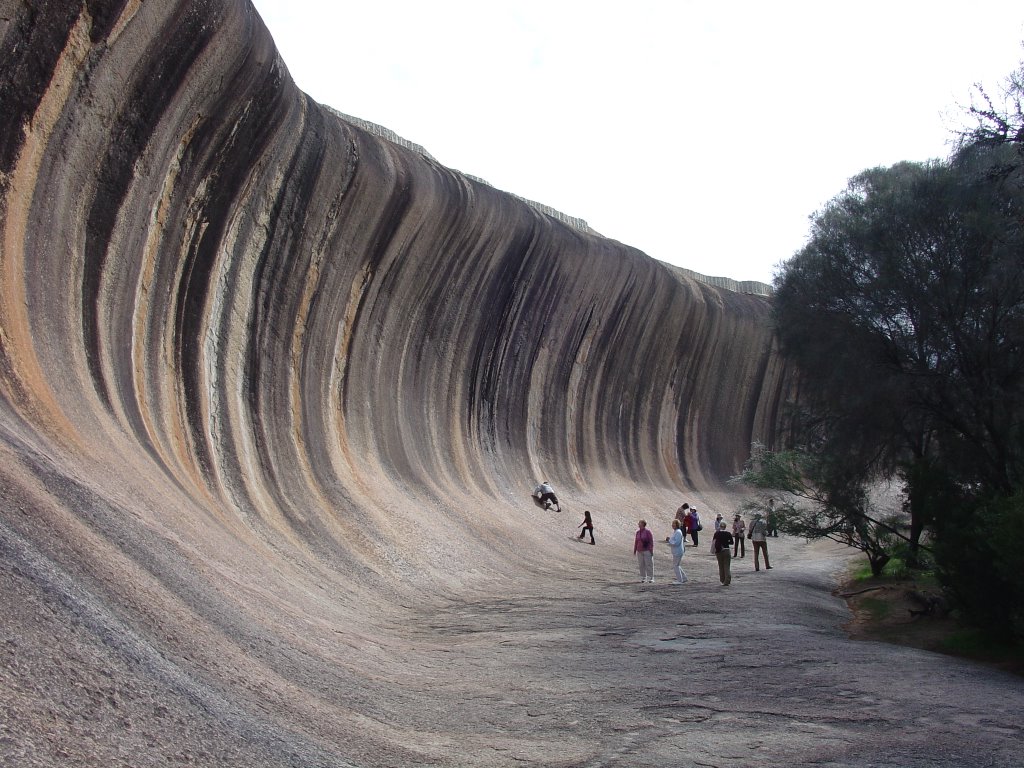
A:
(766, 564)
(743, 546)
(757, 555)
(720, 555)
(650, 565)
(677, 571)
(727, 560)
(591, 530)
(642, 563)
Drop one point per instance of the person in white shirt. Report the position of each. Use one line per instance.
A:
(545, 494)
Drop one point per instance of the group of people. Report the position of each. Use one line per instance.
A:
(725, 544)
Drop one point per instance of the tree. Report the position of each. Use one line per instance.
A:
(817, 500)
(997, 125)
(904, 315)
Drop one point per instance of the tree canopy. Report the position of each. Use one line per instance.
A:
(904, 314)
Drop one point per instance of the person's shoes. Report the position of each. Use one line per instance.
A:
(758, 570)
(593, 542)
(767, 567)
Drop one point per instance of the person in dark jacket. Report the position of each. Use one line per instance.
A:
(721, 545)
(587, 525)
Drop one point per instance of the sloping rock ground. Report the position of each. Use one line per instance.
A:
(273, 393)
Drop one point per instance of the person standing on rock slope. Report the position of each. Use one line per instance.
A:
(587, 525)
(721, 545)
(690, 523)
(714, 528)
(739, 528)
(758, 534)
(678, 549)
(643, 548)
(545, 494)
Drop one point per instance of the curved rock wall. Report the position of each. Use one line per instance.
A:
(261, 368)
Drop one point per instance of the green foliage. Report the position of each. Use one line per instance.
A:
(877, 609)
(981, 564)
(814, 499)
(896, 569)
(904, 315)
(979, 645)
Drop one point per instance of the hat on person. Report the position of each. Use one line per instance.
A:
(757, 514)
(737, 516)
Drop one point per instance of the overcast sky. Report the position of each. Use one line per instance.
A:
(703, 133)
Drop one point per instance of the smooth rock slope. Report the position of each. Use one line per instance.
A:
(274, 391)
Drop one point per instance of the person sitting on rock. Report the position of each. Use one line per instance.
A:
(545, 494)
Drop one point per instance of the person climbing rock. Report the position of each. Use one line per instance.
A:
(587, 525)
(545, 494)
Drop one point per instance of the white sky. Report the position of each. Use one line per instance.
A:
(703, 133)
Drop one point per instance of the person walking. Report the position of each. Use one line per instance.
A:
(587, 525)
(678, 545)
(758, 535)
(721, 544)
(739, 529)
(643, 548)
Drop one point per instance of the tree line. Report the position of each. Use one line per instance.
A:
(904, 315)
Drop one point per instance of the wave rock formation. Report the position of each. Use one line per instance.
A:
(270, 384)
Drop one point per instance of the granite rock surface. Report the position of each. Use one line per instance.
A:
(274, 392)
